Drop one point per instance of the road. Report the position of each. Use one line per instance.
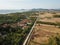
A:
(26, 42)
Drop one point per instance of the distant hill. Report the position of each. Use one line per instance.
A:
(11, 11)
(23, 10)
(40, 9)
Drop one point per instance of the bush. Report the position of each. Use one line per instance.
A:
(56, 16)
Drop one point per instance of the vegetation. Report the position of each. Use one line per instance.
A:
(56, 16)
(10, 31)
(54, 40)
(49, 23)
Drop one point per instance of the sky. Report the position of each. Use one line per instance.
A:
(29, 4)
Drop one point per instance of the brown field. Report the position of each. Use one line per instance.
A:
(42, 32)
(48, 17)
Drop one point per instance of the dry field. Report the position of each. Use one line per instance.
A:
(43, 32)
(48, 17)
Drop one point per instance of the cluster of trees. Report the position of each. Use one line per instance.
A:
(13, 35)
(56, 16)
(49, 23)
(9, 35)
(11, 18)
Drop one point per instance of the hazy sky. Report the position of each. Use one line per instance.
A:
(28, 4)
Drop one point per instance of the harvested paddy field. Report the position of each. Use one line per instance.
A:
(46, 34)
